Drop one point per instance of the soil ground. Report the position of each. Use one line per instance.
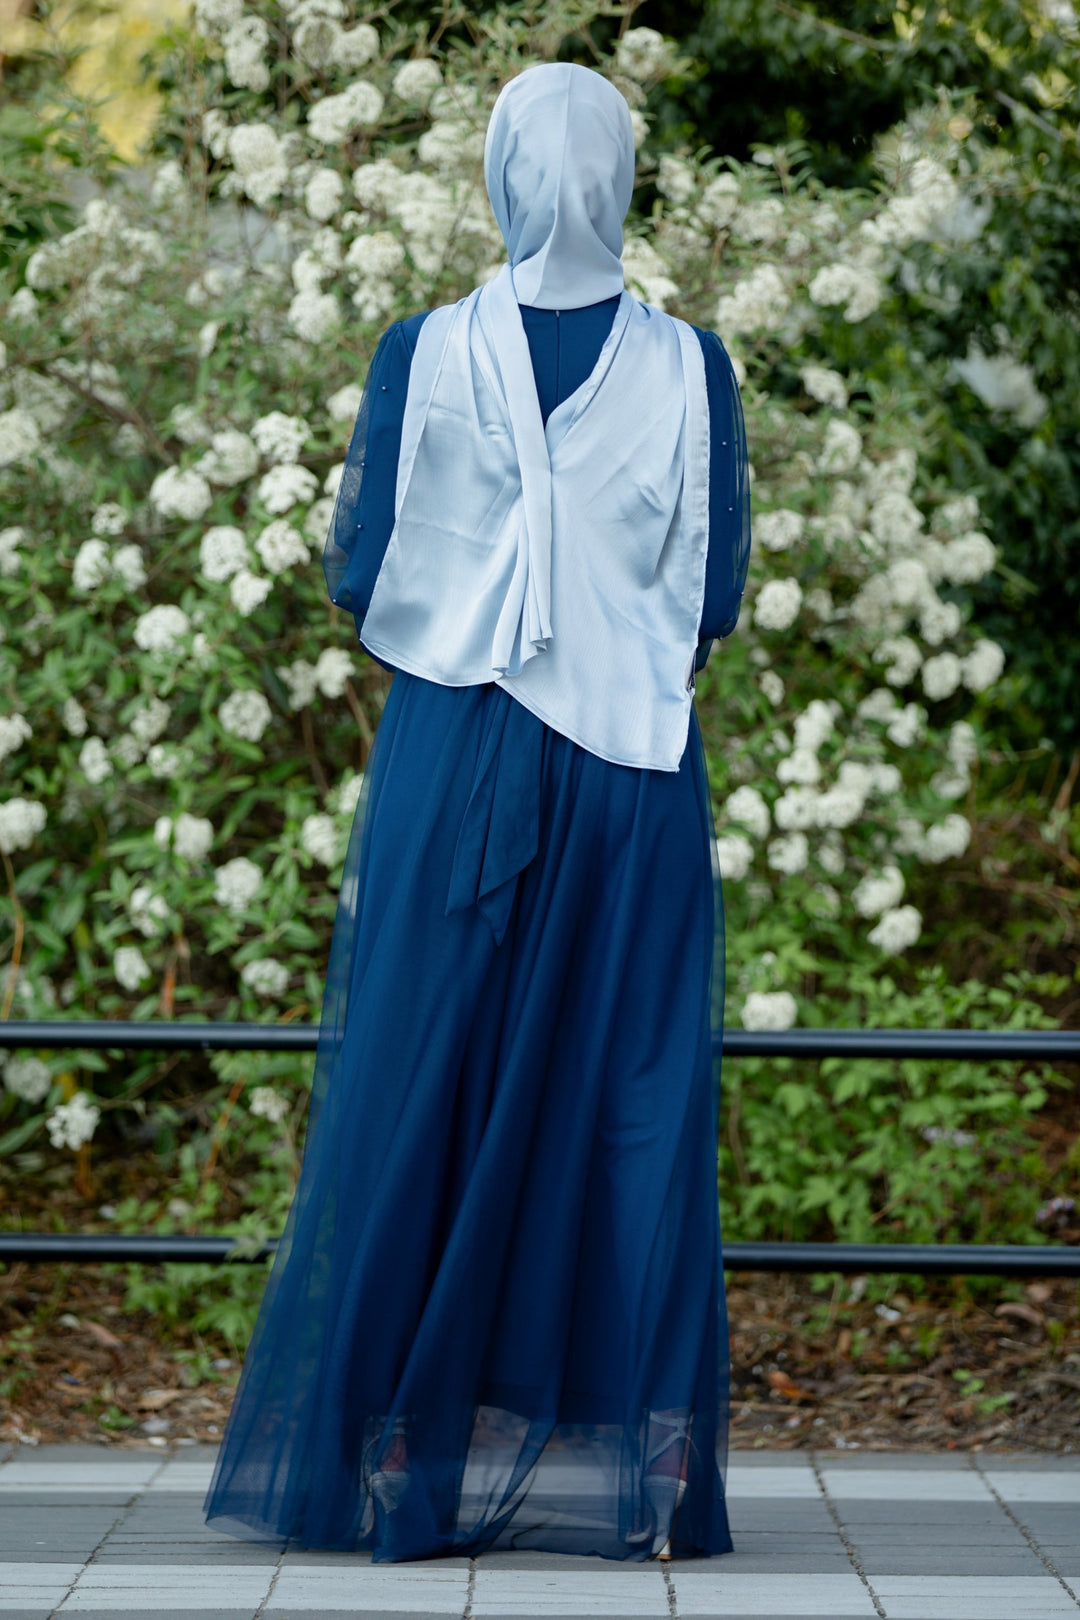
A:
(943, 1370)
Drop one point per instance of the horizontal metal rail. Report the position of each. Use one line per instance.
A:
(1053, 1045)
(926, 1259)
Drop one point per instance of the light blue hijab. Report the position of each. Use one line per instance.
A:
(559, 166)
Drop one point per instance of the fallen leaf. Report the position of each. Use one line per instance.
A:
(103, 1336)
(155, 1399)
(1023, 1313)
(783, 1385)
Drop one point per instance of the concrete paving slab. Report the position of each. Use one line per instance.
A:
(1043, 1485)
(853, 1461)
(404, 1587)
(1001, 1537)
(1026, 1461)
(273, 1613)
(737, 1563)
(939, 1563)
(146, 1588)
(842, 1596)
(739, 1457)
(790, 1482)
(639, 1592)
(907, 1484)
(46, 1553)
(15, 1573)
(193, 1557)
(181, 1475)
(857, 1510)
(802, 1518)
(937, 1597)
(84, 1477)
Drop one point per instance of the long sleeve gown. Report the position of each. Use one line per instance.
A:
(504, 1249)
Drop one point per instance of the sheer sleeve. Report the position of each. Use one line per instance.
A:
(729, 498)
(363, 514)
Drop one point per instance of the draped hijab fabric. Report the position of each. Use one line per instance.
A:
(506, 561)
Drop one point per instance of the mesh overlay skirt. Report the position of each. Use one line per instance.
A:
(497, 1310)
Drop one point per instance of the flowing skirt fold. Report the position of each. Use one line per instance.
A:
(497, 1310)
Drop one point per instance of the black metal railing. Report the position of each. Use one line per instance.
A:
(924, 1259)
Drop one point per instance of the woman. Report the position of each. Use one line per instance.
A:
(496, 1317)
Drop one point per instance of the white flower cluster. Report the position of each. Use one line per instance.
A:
(333, 118)
(245, 714)
(266, 976)
(161, 629)
(73, 1123)
(260, 166)
(14, 730)
(10, 540)
(825, 385)
(149, 912)
(130, 967)
(266, 1103)
(190, 837)
(27, 1078)
(642, 54)
(95, 562)
(748, 807)
(645, 271)
(344, 799)
(897, 928)
(416, 80)
(279, 437)
(222, 552)
(216, 17)
(758, 302)
(245, 43)
(20, 822)
(1002, 382)
(780, 529)
(284, 486)
(94, 761)
(236, 884)
(20, 437)
(319, 838)
(231, 459)
(735, 854)
(777, 604)
(859, 290)
(177, 493)
(769, 1009)
(97, 264)
(280, 546)
(876, 893)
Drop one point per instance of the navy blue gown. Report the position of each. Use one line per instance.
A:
(502, 1266)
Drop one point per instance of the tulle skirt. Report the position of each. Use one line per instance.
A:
(497, 1312)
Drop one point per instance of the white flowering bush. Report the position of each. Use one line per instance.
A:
(185, 718)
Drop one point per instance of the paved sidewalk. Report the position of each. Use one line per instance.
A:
(823, 1535)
